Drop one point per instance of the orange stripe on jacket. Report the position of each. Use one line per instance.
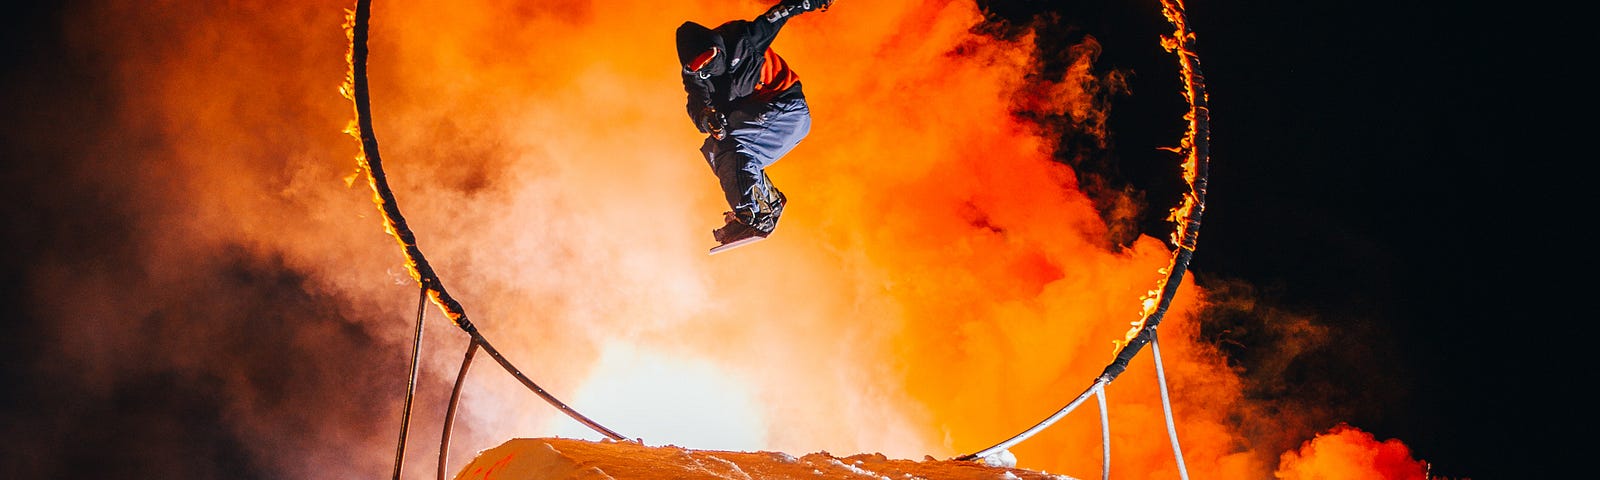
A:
(775, 77)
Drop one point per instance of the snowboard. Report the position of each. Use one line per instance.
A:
(730, 245)
(735, 244)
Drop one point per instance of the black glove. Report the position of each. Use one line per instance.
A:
(713, 122)
(809, 5)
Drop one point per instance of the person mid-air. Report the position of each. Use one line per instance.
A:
(748, 101)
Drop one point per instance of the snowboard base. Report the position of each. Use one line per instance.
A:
(735, 244)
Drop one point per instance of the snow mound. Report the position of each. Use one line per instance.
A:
(561, 458)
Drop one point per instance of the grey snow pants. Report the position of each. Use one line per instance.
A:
(758, 135)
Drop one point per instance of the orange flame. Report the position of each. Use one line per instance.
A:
(938, 281)
(1000, 254)
(1183, 215)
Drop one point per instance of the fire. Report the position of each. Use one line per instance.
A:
(938, 281)
(939, 273)
(1186, 214)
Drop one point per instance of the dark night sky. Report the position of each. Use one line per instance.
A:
(1374, 167)
(1378, 164)
(1370, 169)
(1386, 167)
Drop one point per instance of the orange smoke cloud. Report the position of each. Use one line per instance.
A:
(938, 282)
(1347, 452)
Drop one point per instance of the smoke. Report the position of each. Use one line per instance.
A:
(216, 289)
(1346, 452)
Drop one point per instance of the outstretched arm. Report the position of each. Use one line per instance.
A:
(765, 28)
(758, 34)
(789, 8)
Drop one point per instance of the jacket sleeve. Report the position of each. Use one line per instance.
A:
(764, 29)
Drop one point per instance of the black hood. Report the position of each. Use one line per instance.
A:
(694, 38)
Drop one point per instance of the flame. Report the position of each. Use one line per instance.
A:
(938, 281)
(1185, 215)
(967, 228)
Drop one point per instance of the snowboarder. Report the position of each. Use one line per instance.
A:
(749, 103)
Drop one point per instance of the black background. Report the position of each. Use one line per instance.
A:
(1403, 173)
(1406, 174)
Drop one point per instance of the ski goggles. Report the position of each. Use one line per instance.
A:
(700, 62)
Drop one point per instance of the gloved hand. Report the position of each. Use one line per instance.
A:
(713, 122)
(809, 5)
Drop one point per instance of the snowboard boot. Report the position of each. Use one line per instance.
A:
(735, 231)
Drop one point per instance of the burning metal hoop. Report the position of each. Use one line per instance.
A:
(1195, 146)
(356, 89)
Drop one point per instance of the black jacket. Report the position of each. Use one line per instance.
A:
(732, 78)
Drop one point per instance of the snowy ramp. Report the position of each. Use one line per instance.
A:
(560, 458)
